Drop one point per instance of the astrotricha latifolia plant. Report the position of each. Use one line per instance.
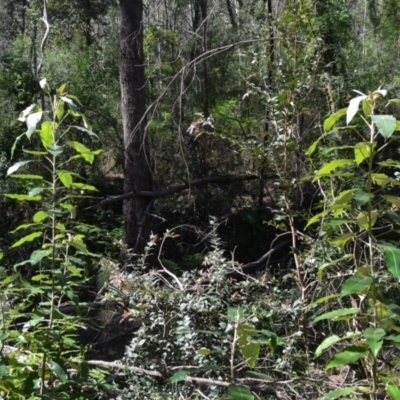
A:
(41, 357)
(364, 216)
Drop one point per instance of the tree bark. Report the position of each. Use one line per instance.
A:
(137, 168)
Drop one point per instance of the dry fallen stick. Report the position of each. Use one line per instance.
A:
(191, 379)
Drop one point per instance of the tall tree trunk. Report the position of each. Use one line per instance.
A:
(138, 174)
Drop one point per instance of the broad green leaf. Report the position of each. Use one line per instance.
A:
(204, 352)
(37, 256)
(362, 151)
(22, 226)
(328, 168)
(9, 279)
(71, 208)
(397, 125)
(24, 197)
(60, 109)
(239, 392)
(39, 277)
(27, 238)
(235, 314)
(341, 240)
(16, 166)
(393, 216)
(58, 367)
(332, 119)
(381, 179)
(356, 284)
(61, 89)
(344, 197)
(325, 298)
(339, 393)
(318, 216)
(392, 199)
(346, 356)
(361, 198)
(374, 337)
(366, 107)
(83, 186)
(65, 178)
(352, 109)
(178, 376)
(46, 134)
(393, 391)
(393, 338)
(386, 124)
(250, 350)
(337, 313)
(392, 258)
(79, 244)
(13, 147)
(327, 342)
(36, 190)
(40, 216)
(31, 122)
(74, 271)
(364, 221)
(27, 176)
(55, 150)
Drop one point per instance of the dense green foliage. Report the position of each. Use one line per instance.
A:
(272, 272)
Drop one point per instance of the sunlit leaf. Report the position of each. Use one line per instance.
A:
(366, 107)
(392, 199)
(392, 258)
(44, 86)
(346, 356)
(24, 197)
(46, 134)
(339, 393)
(27, 238)
(327, 342)
(27, 176)
(353, 107)
(386, 124)
(356, 284)
(65, 178)
(393, 391)
(341, 240)
(381, 179)
(16, 166)
(374, 337)
(83, 186)
(332, 119)
(40, 216)
(331, 166)
(362, 151)
(364, 221)
(31, 122)
(337, 313)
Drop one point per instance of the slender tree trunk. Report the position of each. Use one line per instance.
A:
(138, 174)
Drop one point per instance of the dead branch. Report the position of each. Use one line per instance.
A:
(223, 180)
(190, 379)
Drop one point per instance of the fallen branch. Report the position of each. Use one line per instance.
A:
(190, 379)
(223, 180)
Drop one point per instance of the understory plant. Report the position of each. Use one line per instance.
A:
(41, 356)
(360, 217)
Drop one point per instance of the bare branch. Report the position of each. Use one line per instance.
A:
(174, 189)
